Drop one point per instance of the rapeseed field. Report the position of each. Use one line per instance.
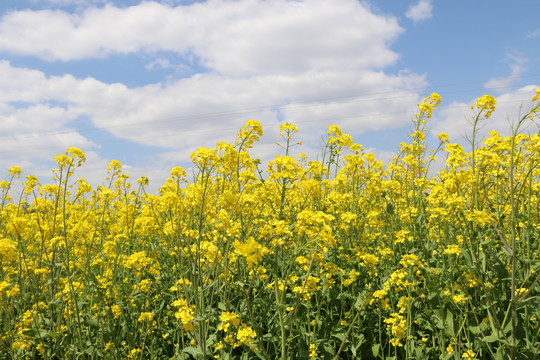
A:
(342, 258)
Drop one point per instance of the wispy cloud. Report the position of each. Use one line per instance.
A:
(517, 68)
(420, 11)
(164, 63)
(534, 33)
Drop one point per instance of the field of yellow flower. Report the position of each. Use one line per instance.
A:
(335, 259)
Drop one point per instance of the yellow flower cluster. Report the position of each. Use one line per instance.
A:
(184, 313)
(397, 326)
(486, 103)
(237, 333)
(288, 263)
(313, 351)
(430, 104)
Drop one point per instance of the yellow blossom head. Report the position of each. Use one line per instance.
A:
(249, 134)
(429, 105)
(288, 128)
(15, 171)
(536, 95)
(486, 103)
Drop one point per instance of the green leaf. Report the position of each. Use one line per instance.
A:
(491, 338)
(37, 333)
(474, 329)
(193, 351)
(90, 350)
(500, 353)
(482, 258)
(242, 285)
(375, 349)
(484, 326)
(30, 333)
(360, 301)
(54, 335)
(446, 356)
(329, 349)
(438, 318)
(450, 323)
(361, 340)
(258, 353)
(508, 328)
(211, 341)
(468, 259)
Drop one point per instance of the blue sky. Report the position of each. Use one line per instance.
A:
(148, 82)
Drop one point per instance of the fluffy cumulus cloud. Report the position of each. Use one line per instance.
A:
(420, 11)
(67, 2)
(230, 37)
(311, 62)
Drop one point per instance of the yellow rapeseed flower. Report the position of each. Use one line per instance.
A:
(15, 171)
(408, 260)
(146, 316)
(228, 319)
(469, 354)
(536, 95)
(313, 351)
(8, 250)
(486, 103)
(452, 250)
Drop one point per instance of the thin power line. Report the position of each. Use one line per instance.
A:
(229, 129)
(287, 106)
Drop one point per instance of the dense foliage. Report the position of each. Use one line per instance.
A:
(339, 258)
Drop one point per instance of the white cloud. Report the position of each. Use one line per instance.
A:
(534, 33)
(199, 111)
(69, 2)
(164, 63)
(324, 57)
(517, 68)
(420, 11)
(455, 118)
(230, 37)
